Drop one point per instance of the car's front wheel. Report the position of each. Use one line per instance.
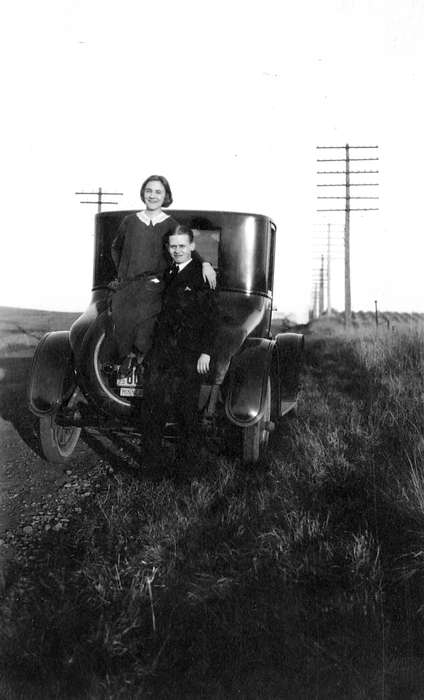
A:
(58, 442)
(255, 437)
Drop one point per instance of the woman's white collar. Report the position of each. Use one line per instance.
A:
(156, 220)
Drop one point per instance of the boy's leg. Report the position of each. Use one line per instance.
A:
(187, 406)
(157, 400)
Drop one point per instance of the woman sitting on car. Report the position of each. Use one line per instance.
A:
(140, 259)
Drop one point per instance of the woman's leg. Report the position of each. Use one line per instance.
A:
(134, 311)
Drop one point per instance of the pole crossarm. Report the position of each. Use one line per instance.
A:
(343, 172)
(352, 184)
(351, 209)
(86, 201)
(344, 147)
(100, 194)
(341, 160)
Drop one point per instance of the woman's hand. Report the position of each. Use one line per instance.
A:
(114, 284)
(209, 274)
(203, 363)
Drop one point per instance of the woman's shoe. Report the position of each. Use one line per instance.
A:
(127, 365)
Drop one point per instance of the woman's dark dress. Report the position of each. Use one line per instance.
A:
(140, 258)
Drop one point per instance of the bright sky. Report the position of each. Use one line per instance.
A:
(228, 99)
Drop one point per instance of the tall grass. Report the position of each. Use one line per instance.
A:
(301, 578)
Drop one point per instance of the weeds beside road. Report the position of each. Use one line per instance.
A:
(301, 578)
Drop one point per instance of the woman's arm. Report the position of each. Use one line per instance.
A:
(117, 245)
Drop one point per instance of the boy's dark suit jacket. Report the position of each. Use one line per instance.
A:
(186, 328)
(187, 321)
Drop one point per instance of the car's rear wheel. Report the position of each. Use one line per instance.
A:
(255, 437)
(58, 442)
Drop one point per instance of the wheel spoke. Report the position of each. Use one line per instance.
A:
(255, 437)
(57, 442)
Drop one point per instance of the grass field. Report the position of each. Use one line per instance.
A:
(300, 578)
(21, 329)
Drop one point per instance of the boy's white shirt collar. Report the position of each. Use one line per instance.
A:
(181, 266)
(156, 220)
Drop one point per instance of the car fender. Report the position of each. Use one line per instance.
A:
(287, 363)
(50, 370)
(248, 380)
(81, 326)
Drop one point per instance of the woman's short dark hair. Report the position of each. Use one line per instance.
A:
(168, 194)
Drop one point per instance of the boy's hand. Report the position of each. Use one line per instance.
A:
(203, 363)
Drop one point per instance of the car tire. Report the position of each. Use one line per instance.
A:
(255, 437)
(57, 442)
(96, 387)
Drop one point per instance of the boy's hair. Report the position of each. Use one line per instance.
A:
(168, 194)
(180, 230)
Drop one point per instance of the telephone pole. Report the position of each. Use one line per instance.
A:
(315, 312)
(328, 270)
(318, 289)
(326, 245)
(99, 200)
(321, 287)
(348, 297)
(347, 160)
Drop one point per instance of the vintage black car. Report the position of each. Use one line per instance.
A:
(76, 382)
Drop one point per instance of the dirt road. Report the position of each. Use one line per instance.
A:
(31, 488)
(34, 494)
